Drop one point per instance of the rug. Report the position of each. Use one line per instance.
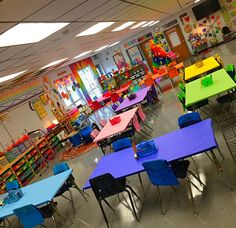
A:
(75, 152)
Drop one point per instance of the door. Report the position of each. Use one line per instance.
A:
(145, 46)
(177, 42)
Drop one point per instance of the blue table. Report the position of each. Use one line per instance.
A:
(37, 193)
(176, 145)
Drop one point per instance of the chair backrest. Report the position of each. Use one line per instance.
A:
(12, 185)
(173, 72)
(181, 98)
(29, 216)
(135, 88)
(114, 97)
(59, 168)
(121, 144)
(105, 185)
(120, 99)
(96, 105)
(230, 69)
(76, 140)
(114, 106)
(160, 173)
(94, 133)
(103, 122)
(148, 82)
(182, 87)
(189, 119)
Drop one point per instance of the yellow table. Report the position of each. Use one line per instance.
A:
(193, 71)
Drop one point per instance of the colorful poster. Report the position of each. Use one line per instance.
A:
(119, 60)
(39, 108)
(135, 55)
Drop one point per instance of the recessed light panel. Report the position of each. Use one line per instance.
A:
(123, 26)
(114, 44)
(149, 23)
(82, 54)
(96, 28)
(138, 25)
(101, 48)
(25, 33)
(11, 76)
(54, 63)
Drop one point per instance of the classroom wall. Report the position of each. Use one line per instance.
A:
(105, 58)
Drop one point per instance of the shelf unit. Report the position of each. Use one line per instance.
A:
(25, 167)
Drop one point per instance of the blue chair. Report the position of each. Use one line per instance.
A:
(121, 144)
(189, 119)
(76, 140)
(85, 134)
(162, 173)
(12, 185)
(70, 183)
(30, 216)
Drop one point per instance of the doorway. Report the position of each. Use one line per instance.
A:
(177, 43)
(146, 49)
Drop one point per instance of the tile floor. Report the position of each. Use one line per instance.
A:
(216, 205)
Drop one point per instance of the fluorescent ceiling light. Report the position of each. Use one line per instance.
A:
(25, 33)
(54, 63)
(123, 26)
(101, 48)
(196, 1)
(11, 76)
(114, 44)
(139, 24)
(96, 28)
(82, 54)
(149, 23)
(154, 23)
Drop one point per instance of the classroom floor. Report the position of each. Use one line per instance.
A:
(216, 204)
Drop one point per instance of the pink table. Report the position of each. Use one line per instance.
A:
(110, 130)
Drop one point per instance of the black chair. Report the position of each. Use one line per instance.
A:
(226, 101)
(105, 186)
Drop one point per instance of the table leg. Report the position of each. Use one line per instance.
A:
(220, 169)
(141, 182)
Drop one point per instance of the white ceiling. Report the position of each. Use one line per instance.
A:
(81, 14)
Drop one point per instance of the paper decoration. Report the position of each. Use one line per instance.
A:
(44, 99)
(174, 39)
(39, 108)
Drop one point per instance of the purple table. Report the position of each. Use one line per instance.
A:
(140, 96)
(176, 145)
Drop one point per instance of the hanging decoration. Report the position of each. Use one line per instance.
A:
(159, 56)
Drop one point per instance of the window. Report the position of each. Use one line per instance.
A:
(91, 82)
(70, 93)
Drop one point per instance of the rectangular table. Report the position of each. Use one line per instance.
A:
(140, 97)
(193, 71)
(37, 193)
(195, 92)
(122, 90)
(179, 144)
(110, 130)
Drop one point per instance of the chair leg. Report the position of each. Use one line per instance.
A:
(132, 204)
(54, 221)
(103, 213)
(195, 167)
(80, 191)
(43, 225)
(146, 125)
(222, 156)
(191, 195)
(132, 190)
(159, 196)
(72, 202)
(108, 204)
(197, 178)
(173, 188)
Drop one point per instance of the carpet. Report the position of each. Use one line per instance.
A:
(75, 152)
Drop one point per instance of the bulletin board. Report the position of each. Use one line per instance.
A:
(39, 108)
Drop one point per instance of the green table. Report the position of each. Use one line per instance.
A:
(195, 92)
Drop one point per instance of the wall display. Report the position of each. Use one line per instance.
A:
(119, 60)
(134, 55)
(44, 99)
(39, 108)
(145, 37)
(130, 43)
